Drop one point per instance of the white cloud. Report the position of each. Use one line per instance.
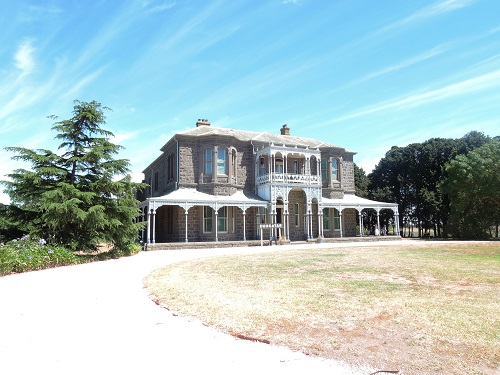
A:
(402, 65)
(23, 57)
(158, 8)
(469, 86)
(436, 9)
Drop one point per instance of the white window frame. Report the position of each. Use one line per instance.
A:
(326, 219)
(296, 215)
(207, 218)
(207, 161)
(335, 170)
(221, 161)
(222, 219)
(336, 219)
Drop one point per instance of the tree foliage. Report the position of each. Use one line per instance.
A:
(412, 175)
(473, 187)
(361, 181)
(73, 197)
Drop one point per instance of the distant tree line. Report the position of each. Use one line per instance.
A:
(444, 187)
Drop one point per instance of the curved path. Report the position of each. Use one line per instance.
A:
(97, 318)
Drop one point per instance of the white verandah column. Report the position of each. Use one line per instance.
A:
(378, 221)
(360, 224)
(186, 222)
(244, 225)
(153, 214)
(216, 224)
(148, 227)
(142, 229)
(340, 222)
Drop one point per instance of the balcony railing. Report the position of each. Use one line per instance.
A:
(288, 178)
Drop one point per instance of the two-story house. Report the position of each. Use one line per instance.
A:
(218, 184)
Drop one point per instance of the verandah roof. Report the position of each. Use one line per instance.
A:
(358, 203)
(188, 197)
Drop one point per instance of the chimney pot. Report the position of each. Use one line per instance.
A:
(285, 130)
(202, 122)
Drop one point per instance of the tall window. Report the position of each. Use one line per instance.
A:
(335, 170)
(262, 167)
(207, 219)
(233, 163)
(296, 218)
(326, 218)
(170, 167)
(222, 219)
(263, 216)
(324, 170)
(156, 181)
(336, 219)
(296, 167)
(279, 165)
(232, 212)
(221, 161)
(207, 156)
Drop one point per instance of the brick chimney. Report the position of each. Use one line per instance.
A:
(202, 122)
(285, 130)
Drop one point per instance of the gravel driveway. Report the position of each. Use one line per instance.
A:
(98, 319)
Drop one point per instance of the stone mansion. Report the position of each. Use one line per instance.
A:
(218, 184)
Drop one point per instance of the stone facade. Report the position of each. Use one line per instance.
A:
(292, 174)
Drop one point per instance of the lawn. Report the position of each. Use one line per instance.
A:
(431, 308)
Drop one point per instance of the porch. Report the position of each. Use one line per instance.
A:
(251, 243)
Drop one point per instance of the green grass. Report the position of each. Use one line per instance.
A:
(431, 306)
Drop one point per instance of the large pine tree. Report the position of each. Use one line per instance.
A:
(79, 196)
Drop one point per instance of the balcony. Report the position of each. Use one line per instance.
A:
(289, 179)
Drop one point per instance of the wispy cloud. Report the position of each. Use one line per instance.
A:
(402, 65)
(52, 9)
(78, 85)
(469, 86)
(436, 9)
(24, 58)
(149, 7)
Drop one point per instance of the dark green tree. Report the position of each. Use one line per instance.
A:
(411, 176)
(361, 181)
(473, 186)
(80, 196)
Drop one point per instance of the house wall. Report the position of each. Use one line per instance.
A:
(191, 168)
(349, 222)
(189, 164)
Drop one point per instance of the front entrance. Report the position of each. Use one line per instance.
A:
(279, 217)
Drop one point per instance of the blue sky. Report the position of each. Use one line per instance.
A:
(361, 74)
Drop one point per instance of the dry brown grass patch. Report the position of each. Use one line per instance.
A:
(425, 309)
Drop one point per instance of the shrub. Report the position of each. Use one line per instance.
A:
(30, 254)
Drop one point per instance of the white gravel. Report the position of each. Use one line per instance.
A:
(97, 318)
